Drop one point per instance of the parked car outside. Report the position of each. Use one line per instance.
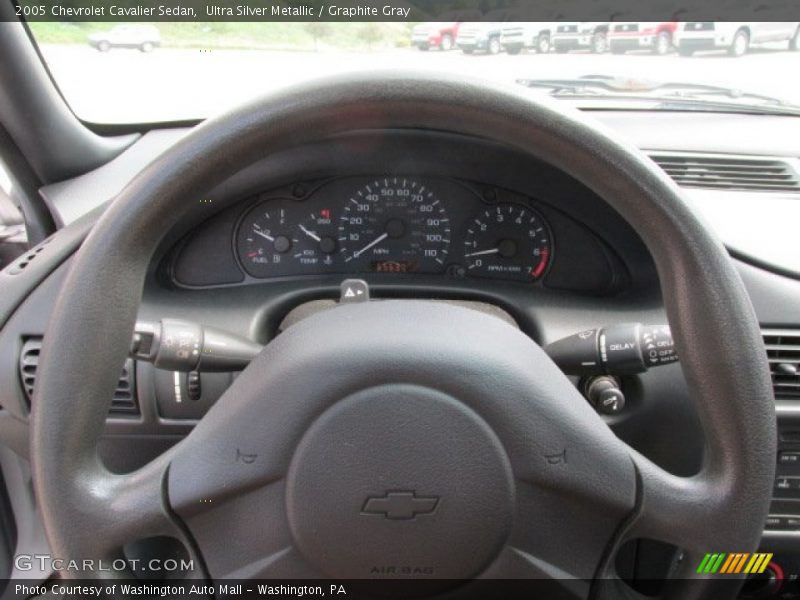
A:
(480, 37)
(142, 37)
(435, 35)
(585, 35)
(735, 37)
(534, 35)
(646, 35)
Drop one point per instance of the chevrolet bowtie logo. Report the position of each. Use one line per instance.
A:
(400, 505)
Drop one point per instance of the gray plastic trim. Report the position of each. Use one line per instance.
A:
(52, 139)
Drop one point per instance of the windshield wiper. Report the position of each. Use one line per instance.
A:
(665, 95)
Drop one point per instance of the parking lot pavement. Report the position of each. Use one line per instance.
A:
(169, 84)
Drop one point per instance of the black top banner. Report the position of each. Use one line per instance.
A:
(402, 10)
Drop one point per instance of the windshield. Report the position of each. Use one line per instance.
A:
(133, 73)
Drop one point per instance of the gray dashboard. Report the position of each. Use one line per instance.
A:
(763, 236)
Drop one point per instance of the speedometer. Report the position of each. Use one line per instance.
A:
(394, 224)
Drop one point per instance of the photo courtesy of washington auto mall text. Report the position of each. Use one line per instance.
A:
(182, 590)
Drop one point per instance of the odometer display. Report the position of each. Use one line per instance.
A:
(397, 222)
(507, 241)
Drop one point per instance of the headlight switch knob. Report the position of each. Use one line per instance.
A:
(605, 394)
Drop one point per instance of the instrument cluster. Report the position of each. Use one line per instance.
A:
(393, 224)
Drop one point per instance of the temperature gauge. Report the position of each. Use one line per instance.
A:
(317, 243)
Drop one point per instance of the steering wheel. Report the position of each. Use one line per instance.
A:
(406, 438)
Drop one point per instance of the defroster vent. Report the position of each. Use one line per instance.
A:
(733, 173)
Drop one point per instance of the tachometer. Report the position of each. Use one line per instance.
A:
(507, 241)
(394, 224)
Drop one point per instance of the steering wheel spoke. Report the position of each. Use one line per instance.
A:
(683, 511)
(122, 508)
(134, 504)
(550, 580)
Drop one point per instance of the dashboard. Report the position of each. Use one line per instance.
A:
(398, 224)
(395, 227)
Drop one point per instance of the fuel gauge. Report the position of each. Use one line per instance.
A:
(266, 241)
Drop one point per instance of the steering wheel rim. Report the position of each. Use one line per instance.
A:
(88, 511)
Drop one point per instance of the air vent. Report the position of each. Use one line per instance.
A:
(783, 352)
(737, 173)
(28, 361)
(124, 400)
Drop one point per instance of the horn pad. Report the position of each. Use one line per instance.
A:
(400, 481)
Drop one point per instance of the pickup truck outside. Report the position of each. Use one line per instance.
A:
(585, 35)
(646, 35)
(538, 36)
(435, 35)
(480, 37)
